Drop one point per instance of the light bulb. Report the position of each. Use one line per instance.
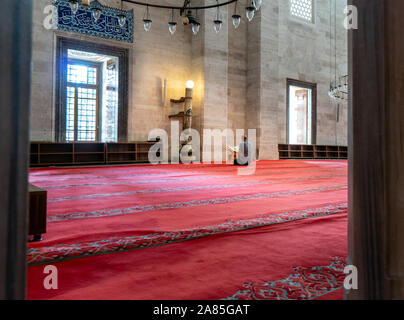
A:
(185, 21)
(147, 24)
(190, 84)
(217, 25)
(172, 26)
(236, 20)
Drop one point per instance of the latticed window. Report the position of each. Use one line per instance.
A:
(82, 101)
(303, 9)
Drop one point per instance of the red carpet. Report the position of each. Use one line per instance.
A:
(193, 232)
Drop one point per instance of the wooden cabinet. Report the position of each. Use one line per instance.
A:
(83, 153)
(290, 151)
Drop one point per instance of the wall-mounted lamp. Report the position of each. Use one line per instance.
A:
(188, 104)
(186, 114)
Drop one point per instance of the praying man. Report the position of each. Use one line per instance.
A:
(245, 154)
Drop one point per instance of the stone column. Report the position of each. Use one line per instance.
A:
(210, 72)
(270, 88)
(15, 63)
(263, 79)
(376, 150)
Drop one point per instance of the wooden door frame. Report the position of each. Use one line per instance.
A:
(63, 44)
(306, 85)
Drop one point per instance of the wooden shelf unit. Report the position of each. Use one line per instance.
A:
(85, 153)
(89, 153)
(121, 152)
(297, 151)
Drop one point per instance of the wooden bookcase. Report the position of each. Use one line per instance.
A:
(121, 152)
(135, 152)
(89, 153)
(143, 151)
(55, 154)
(83, 153)
(291, 151)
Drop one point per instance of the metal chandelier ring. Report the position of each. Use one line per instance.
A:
(179, 8)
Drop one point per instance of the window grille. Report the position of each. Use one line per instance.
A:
(303, 9)
(81, 102)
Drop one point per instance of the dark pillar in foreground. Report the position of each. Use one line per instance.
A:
(376, 145)
(15, 66)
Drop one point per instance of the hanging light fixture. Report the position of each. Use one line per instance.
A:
(96, 10)
(195, 24)
(172, 25)
(96, 14)
(257, 4)
(147, 23)
(338, 85)
(217, 23)
(236, 18)
(250, 11)
(121, 17)
(195, 27)
(186, 13)
(74, 5)
(185, 18)
(121, 20)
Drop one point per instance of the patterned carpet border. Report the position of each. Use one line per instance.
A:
(118, 244)
(186, 204)
(173, 176)
(151, 168)
(191, 188)
(307, 283)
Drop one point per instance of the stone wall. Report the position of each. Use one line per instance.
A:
(282, 47)
(305, 54)
(154, 57)
(240, 75)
